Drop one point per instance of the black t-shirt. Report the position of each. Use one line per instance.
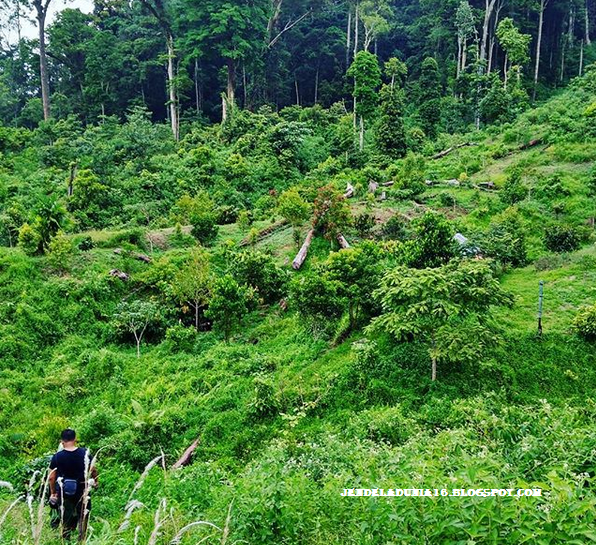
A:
(70, 464)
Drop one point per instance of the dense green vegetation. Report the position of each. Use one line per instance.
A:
(148, 298)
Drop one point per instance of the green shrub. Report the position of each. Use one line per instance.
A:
(394, 229)
(29, 239)
(364, 224)
(180, 338)
(584, 323)
(561, 238)
(60, 253)
(85, 244)
(259, 271)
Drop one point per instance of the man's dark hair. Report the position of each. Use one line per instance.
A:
(68, 435)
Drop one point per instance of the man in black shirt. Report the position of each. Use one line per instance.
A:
(70, 478)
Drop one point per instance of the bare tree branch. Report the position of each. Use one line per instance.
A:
(289, 26)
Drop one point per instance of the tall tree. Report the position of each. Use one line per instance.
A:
(367, 78)
(516, 46)
(233, 31)
(160, 10)
(466, 27)
(488, 12)
(543, 5)
(41, 10)
(375, 15)
(430, 97)
(391, 133)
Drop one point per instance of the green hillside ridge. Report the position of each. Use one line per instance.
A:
(288, 413)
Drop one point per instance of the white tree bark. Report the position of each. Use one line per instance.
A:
(490, 6)
(41, 8)
(587, 23)
(348, 37)
(543, 4)
(174, 118)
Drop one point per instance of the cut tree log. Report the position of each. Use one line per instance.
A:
(349, 191)
(301, 256)
(343, 242)
(372, 186)
(186, 457)
(446, 152)
(119, 274)
(388, 184)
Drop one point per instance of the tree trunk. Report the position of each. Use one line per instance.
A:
(244, 86)
(276, 12)
(297, 90)
(543, 4)
(231, 91)
(490, 6)
(197, 85)
(343, 243)
(459, 55)
(172, 87)
(505, 69)
(564, 39)
(581, 59)
(361, 133)
(491, 55)
(587, 23)
(317, 85)
(434, 369)
(348, 38)
(356, 27)
(196, 305)
(464, 56)
(42, 10)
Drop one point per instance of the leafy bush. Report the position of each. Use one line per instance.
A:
(561, 238)
(181, 338)
(60, 253)
(364, 224)
(505, 240)
(514, 190)
(85, 243)
(29, 239)
(394, 229)
(584, 323)
(259, 271)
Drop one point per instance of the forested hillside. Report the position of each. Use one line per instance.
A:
(308, 242)
(177, 57)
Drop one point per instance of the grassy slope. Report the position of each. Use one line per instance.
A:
(329, 419)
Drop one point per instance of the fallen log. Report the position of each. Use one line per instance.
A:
(301, 256)
(185, 459)
(343, 242)
(388, 184)
(349, 191)
(446, 152)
